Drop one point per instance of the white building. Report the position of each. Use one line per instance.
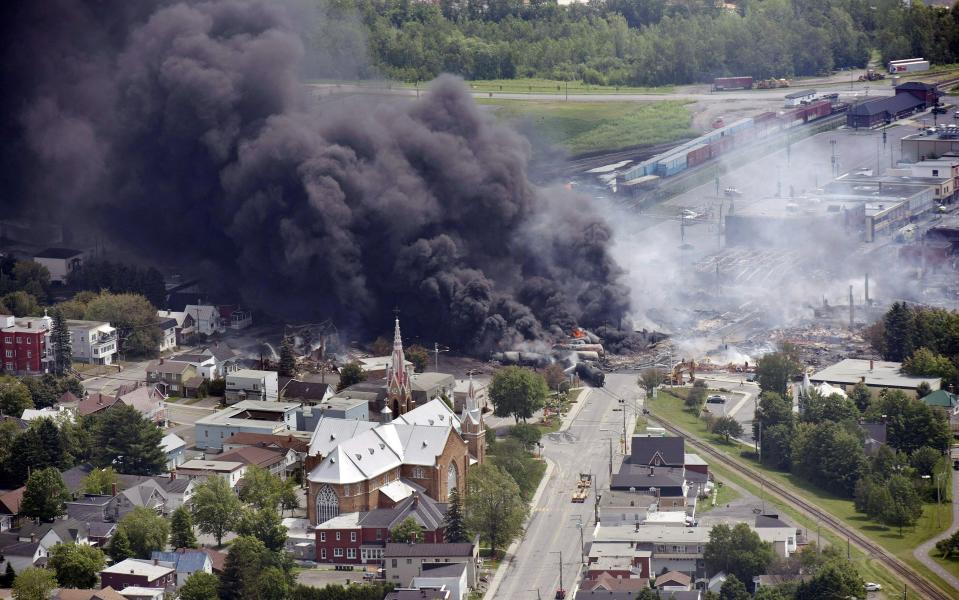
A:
(94, 342)
(799, 98)
(251, 384)
(60, 262)
(207, 318)
(198, 468)
(248, 416)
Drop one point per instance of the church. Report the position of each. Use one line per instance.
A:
(360, 466)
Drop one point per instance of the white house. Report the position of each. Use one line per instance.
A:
(197, 468)
(94, 342)
(252, 384)
(168, 327)
(59, 261)
(206, 317)
(799, 98)
(58, 414)
(175, 449)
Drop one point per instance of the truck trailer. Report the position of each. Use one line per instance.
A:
(909, 65)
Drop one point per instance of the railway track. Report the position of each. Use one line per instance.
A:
(913, 579)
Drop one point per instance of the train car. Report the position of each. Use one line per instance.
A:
(697, 155)
(671, 164)
(817, 110)
(590, 374)
(732, 83)
(766, 124)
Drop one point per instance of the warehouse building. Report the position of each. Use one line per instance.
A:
(877, 375)
(877, 111)
(775, 221)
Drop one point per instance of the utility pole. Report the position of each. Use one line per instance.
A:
(610, 458)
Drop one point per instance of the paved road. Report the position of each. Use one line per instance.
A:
(741, 405)
(922, 552)
(553, 526)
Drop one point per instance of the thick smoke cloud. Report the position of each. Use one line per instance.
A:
(181, 132)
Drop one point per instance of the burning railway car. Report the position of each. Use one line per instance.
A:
(591, 374)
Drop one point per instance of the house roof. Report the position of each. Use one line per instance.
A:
(434, 413)
(611, 583)
(67, 397)
(770, 521)
(143, 493)
(395, 550)
(454, 570)
(418, 594)
(172, 367)
(171, 442)
(20, 423)
(144, 398)
(107, 593)
(221, 352)
(68, 530)
(891, 104)
(187, 561)
(268, 440)
(143, 568)
(875, 431)
(941, 398)
(673, 577)
(801, 94)
(330, 432)
(643, 477)
(95, 402)
(306, 390)
(917, 85)
(28, 549)
(427, 513)
(165, 323)
(213, 466)
(99, 529)
(252, 455)
(644, 450)
(425, 382)
(882, 374)
(10, 501)
(57, 253)
(216, 557)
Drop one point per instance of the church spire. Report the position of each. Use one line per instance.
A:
(398, 379)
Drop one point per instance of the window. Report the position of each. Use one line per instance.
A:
(409, 561)
(337, 536)
(337, 552)
(323, 553)
(29, 340)
(9, 353)
(351, 553)
(29, 354)
(935, 172)
(352, 536)
(419, 473)
(9, 366)
(394, 563)
(322, 536)
(451, 478)
(379, 534)
(19, 340)
(8, 339)
(327, 504)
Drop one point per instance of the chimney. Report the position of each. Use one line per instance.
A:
(172, 474)
(416, 500)
(156, 562)
(652, 470)
(33, 538)
(161, 360)
(852, 309)
(113, 488)
(637, 527)
(29, 324)
(871, 364)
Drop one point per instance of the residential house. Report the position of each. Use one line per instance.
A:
(606, 582)
(148, 400)
(461, 391)
(60, 262)
(300, 538)
(248, 416)
(450, 576)
(135, 592)
(207, 319)
(657, 466)
(23, 555)
(146, 494)
(656, 547)
(265, 458)
(168, 327)
(50, 534)
(251, 384)
(418, 594)
(10, 508)
(185, 327)
(107, 593)
(431, 386)
(205, 364)
(306, 392)
(877, 375)
(403, 562)
(361, 537)
(24, 345)
(179, 490)
(93, 342)
(185, 563)
(95, 402)
(235, 317)
(226, 359)
(781, 535)
(175, 449)
(201, 469)
(92, 508)
(293, 445)
(58, 414)
(139, 573)
(674, 581)
(171, 376)
(944, 400)
(100, 533)
(307, 417)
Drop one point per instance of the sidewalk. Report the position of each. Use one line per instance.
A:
(922, 552)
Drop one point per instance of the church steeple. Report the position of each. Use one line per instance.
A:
(471, 424)
(398, 377)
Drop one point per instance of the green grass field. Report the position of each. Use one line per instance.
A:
(725, 495)
(670, 407)
(582, 127)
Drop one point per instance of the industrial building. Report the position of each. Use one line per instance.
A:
(877, 375)
(774, 221)
(911, 97)
(937, 142)
(248, 416)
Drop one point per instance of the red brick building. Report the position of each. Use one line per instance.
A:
(23, 344)
(139, 573)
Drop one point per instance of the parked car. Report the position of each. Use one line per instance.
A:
(732, 193)
(716, 399)
(873, 587)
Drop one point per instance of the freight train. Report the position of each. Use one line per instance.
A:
(591, 374)
(723, 139)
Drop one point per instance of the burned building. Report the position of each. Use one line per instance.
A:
(777, 221)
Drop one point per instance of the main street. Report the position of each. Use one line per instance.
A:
(555, 522)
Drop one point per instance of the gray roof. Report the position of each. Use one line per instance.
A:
(100, 529)
(800, 94)
(67, 530)
(167, 323)
(770, 521)
(639, 477)
(57, 253)
(644, 449)
(874, 431)
(443, 569)
(427, 513)
(417, 594)
(184, 562)
(891, 104)
(424, 382)
(20, 549)
(305, 390)
(882, 374)
(394, 550)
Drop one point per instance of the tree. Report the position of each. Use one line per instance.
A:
(555, 376)
(14, 397)
(77, 565)
(120, 548)
(200, 586)
(408, 531)
(949, 545)
(34, 584)
(818, 408)
(32, 277)
(926, 363)
(287, 358)
(289, 498)
(924, 460)
(265, 525)
(727, 427)
(529, 435)
(777, 446)
(733, 589)
(829, 456)
(47, 389)
(273, 584)
(181, 529)
(381, 347)
(215, 508)
(133, 316)
(350, 374)
(511, 456)
(9, 576)
(60, 341)
(494, 508)
(774, 370)
(100, 481)
(872, 498)
(20, 303)
(146, 531)
(419, 356)
(651, 379)
(772, 593)
(454, 528)
(861, 396)
(129, 442)
(695, 397)
(245, 561)
(738, 551)
(905, 506)
(260, 488)
(837, 579)
(899, 332)
(45, 496)
(517, 392)
(910, 423)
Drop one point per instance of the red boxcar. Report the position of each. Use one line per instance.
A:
(698, 155)
(732, 83)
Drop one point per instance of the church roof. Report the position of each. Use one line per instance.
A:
(434, 413)
(330, 432)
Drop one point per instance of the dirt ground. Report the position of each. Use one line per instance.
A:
(705, 112)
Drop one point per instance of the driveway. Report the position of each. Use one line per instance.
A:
(922, 552)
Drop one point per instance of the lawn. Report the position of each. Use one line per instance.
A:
(724, 495)
(584, 127)
(669, 405)
(565, 405)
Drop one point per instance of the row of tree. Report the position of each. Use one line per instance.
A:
(925, 340)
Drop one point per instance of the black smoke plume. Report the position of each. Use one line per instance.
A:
(181, 132)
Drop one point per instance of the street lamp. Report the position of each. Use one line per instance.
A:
(560, 593)
(582, 544)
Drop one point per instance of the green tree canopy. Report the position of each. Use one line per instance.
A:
(517, 392)
(120, 548)
(837, 579)
(454, 526)
(738, 551)
(216, 508)
(776, 369)
(265, 525)
(924, 460)
(100, 481)
(34, 584)
(905, 506)
(407, 531)
(76, 565)
(14, 397)
(419, 356)
(61, 342)
(287, 358)
(819, 409)
(200, 586)
(146, 531)
(20, 303)
(910, 423)
(733, 589)
(350, 374)
(511, 456)
(133, 316)
(181, 529)
(494, 507)
(727, 427)
(650, 379)
(45, 496)
(129, 442)
(260, 488)
(828, 455)
(245, 565)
